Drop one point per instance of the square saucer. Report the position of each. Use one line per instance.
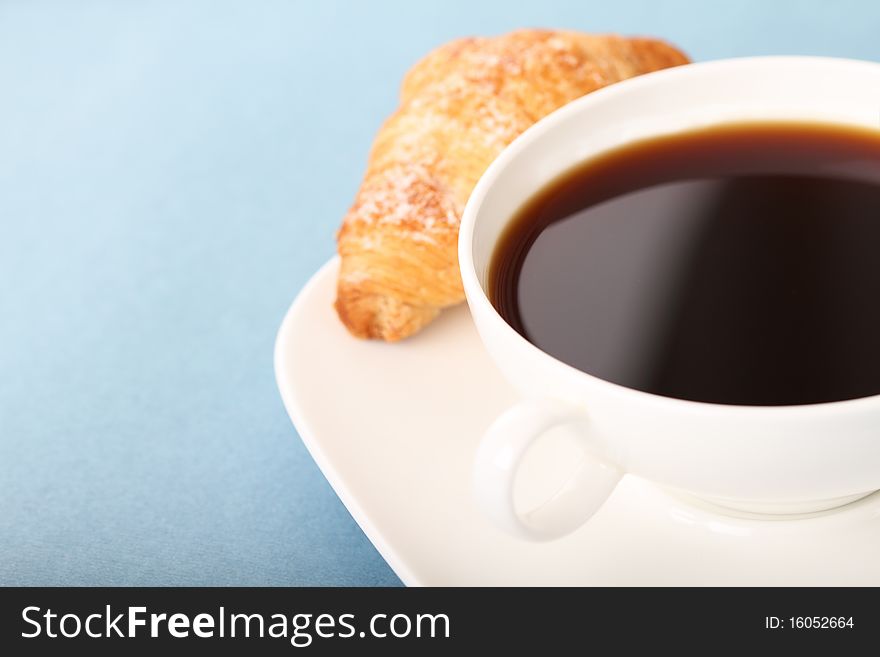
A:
(394, 429)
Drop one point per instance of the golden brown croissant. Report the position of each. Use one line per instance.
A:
(459, 107)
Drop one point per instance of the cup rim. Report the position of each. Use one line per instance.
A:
(476, 294)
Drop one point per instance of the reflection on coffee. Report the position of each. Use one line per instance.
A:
(737, 265)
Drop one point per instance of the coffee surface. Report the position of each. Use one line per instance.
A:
(734, 265)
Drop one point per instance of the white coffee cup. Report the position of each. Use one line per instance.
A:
(759, 459)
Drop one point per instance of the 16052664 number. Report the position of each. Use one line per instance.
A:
(820, 622)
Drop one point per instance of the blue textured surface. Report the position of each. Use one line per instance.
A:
(171, 173)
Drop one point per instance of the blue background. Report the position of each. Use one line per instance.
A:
(171, 173)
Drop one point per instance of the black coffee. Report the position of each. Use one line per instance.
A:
(735, 265)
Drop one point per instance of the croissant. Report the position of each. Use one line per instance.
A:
(459, 107)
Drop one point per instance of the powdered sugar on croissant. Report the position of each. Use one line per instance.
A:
(460, 106)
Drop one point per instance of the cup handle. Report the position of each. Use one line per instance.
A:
(498, 458)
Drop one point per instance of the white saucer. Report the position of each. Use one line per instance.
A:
(394, 429)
